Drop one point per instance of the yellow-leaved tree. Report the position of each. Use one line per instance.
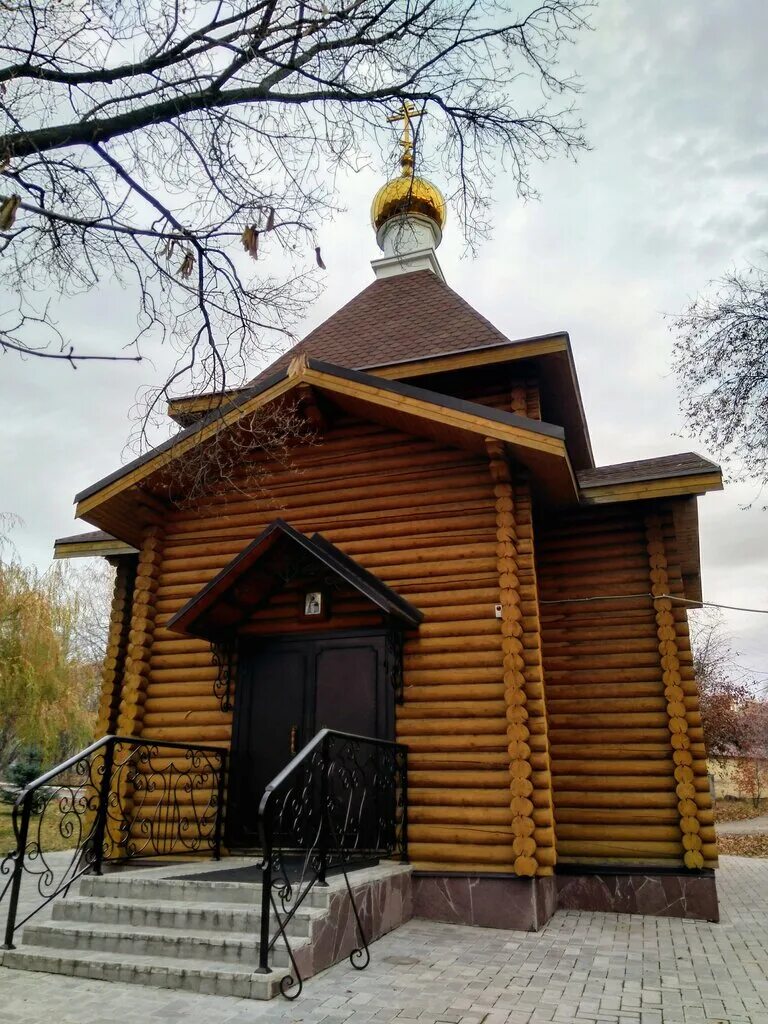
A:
(48, 674)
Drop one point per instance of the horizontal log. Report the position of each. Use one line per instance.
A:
(611, 815)
(584, 832)
(185, 689)
(614, 783)
(450, 744)
(585, 661)
(453, 659)
(632, 850)
(472, 798)
(646, 720)
(178, 675)
(605, 689)
(185, 719)
(596, 675)
(182, 660)
(457, 778)
(170, 705)
(606, 705)
(451, 726)
(488, 638)
(496, 858)
(436, 693)
(618, 733)
(431, 633)
(443, 676)
(478, 867)
(447, 815)
(451, 709)
(458, 760)
(611, 749)
(203, 734)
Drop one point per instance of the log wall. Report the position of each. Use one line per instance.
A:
(421, 517)
(564, 730)
(622, 791)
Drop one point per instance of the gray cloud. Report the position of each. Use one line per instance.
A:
(672, 194)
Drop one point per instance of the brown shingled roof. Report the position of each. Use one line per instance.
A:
(686, 464)
(409, 316)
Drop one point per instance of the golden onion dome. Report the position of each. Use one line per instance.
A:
(408, 194)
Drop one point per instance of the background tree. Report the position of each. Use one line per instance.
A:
(723, 692)
(48, 676)
(751, 771)
(721, 362)
(148, 142)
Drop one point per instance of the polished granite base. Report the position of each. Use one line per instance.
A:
(666, 894)
(383, 901)
(526, 904)
(500, 901)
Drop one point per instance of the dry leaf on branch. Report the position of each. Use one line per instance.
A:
(250, 238)
(187, 264)
(8, 207)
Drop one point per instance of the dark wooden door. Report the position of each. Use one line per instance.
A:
(268, 724)
(289, 689)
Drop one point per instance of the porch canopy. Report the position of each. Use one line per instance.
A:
(277, 557)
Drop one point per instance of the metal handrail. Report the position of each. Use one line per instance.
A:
(303, 813)
(100, 808)
(306, 752)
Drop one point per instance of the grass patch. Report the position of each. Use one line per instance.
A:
(51, 837)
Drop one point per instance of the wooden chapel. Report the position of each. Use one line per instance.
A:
(441, 562)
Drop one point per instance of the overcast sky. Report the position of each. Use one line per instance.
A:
(673, 193)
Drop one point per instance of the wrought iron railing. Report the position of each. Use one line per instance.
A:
(341, 801)
(117, 800)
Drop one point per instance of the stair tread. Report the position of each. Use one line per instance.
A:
(147, 931)
(176, 965)
(175, 904)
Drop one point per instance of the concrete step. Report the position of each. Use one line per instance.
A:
(190, 975)
(157, 943)
(192, 916)
(132, 887)
(155, 927)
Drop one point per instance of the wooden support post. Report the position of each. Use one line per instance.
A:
(141, 632)
(518, 399)
(690, 825)
(524, 399)
(521, 784)
(117, 642)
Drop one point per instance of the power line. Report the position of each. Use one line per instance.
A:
(656, 597)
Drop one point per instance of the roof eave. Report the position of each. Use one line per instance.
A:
(524, 436)
(554, 344)
(652, 487)
(63, 549)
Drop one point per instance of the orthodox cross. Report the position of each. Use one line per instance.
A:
(406, 114)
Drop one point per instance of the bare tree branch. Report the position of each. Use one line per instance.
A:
(721, 362)
(141, 142)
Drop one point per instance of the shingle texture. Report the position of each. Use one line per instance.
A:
(410, 316)
(85, 538)
(687, 464)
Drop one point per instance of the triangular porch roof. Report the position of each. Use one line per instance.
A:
(217, 610)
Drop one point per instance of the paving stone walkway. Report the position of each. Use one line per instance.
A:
(741, 828)
(582, 968)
